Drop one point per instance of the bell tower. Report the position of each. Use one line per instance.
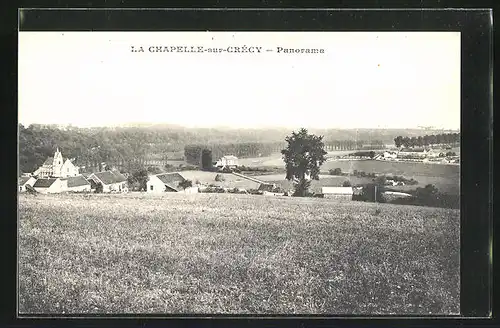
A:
(58, 163)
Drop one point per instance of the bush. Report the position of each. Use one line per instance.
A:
(219, 178)
(227, 170)
(347, 183)
(337, 171)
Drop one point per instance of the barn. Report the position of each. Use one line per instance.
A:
(78, 184)
(50, 185)
(111, 181)
(25, 181)
(168, 182)
(341, 193)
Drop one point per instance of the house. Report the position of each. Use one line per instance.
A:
(50, 185)
(25, 181)
(342, 193)
(57, 167)
(390, 155)
(227, 161)
(111, 181)
(78, 184)
(168, 182)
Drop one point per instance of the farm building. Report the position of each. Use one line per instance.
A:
(50, 185)
(390, 154)
(227, 161)
(78, 184)
(111, 181)
(168, 182)
(344, 193)
(26, 181)
(57, 167)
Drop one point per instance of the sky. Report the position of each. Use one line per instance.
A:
(362, 80)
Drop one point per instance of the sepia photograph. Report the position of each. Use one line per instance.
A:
(239, 173)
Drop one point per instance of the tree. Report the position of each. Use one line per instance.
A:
(206, 159)
(139, 177)
(303, 156)
(185, 184)
(346, 183)
(398, 141)
(337, 171)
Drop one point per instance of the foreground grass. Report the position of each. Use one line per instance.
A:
(222, 253)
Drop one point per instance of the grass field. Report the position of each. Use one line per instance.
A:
(230, 254)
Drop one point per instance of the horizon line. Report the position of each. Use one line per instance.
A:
(235, 127)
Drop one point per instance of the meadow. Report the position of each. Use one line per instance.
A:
(445, 177)
(234, 254)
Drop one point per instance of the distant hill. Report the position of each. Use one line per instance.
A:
(136, 140)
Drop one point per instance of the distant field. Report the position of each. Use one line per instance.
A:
(446, 185)
(445, 177)
(230, 180)
(226, 253)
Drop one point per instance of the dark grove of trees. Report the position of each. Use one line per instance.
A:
(427, 140)
(206, 159)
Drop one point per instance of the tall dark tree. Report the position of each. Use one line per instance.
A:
(206, 159)
(303, 157)
(398, 141)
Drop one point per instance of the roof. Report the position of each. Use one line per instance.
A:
(119, 177)
(171, 180)
(23, 180)
(77, 181)
(49, 161)
(337, 190)
(110, 177)
(44, 183)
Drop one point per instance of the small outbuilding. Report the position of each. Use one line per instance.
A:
(168, 182)
(78, 184)
(25, 181)
(50, 185)
(111, 181)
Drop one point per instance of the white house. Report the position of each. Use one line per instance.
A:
(344, 193)
(111, 181)
(168, 182)
(57, 167)
(50, 185)
(229, 161)
(390, 155)
(78, 184)
(26, 181)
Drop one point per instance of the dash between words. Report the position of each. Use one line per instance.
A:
(230, 49)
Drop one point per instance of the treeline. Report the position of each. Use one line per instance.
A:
(192, 153)
(353, 144)
(427, 140)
